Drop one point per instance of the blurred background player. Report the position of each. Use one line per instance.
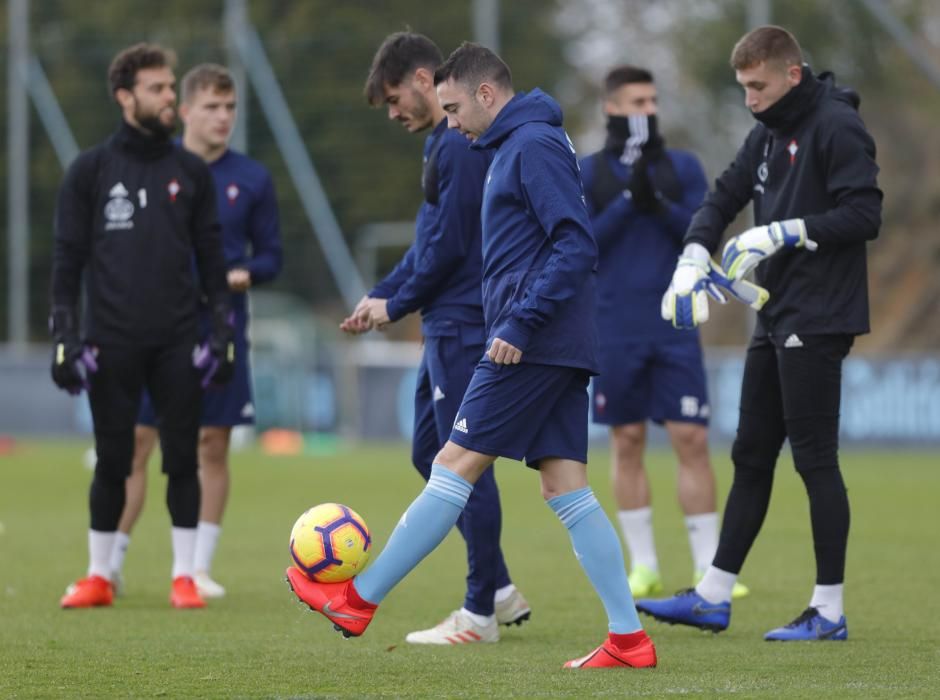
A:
(528, 395)
(441, 275)
(251, 239)
(136, 211)
(641, 197)
(809, 168)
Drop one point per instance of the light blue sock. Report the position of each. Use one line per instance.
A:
(422, 527)
(597, 548)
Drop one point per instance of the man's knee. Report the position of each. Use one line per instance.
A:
(814, 443)
(114, 451)
(179, 452)
(755, 447)
(628, 443)
(213, 448)
(465, 463)
(690, 441)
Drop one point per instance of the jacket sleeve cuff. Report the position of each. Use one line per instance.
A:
(394, 309)
(513, 334)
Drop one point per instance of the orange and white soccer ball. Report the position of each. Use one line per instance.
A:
(330, 543)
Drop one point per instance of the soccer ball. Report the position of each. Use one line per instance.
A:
(330, 543)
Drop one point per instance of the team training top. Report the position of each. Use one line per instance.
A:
(440, 272)
(135, 210)
(637, 251)
(811, 158)
(248, 213)
(539, 255)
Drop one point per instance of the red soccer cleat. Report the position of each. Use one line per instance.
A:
(634, 650)
(89, 592)
(183, 594)
(338, 602)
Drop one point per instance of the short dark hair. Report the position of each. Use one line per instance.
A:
(626, 75)
(122, 73)
(206, 76)
(766, 44)
(400, 54)
(473, 64)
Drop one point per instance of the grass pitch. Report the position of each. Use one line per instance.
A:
(258, 642)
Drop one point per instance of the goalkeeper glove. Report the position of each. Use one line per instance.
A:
(685, 303)
(72, 361)
(746, 292)
(745, 251)
(216, 356)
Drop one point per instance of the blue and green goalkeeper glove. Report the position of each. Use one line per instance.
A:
(685, 303)
(744, 291)
(745, 251)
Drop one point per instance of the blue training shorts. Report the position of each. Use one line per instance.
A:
(525, 411)
(656, 380)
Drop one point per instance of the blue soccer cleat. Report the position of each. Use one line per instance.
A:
(688, 608)
(810, 626)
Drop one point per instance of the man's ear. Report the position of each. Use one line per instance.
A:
(794, 74)
(423, 79)
(124, 97)
(486, 95)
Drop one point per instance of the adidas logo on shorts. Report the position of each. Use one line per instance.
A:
(461, 425)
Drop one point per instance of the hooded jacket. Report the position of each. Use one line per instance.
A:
(811, 157)
(539, 254)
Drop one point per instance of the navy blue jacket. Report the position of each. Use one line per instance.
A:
(539, 254)
(817, 163)
(637, 251)
(248, 213)
(440, 272)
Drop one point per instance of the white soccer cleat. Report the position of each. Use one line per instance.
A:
(514, 610)
(207, 587)
(117, 583)
(458, 628)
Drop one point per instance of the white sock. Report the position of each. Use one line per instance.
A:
(100, 545)
(207, 536)
(121, 541)
(703, 538)
(716, 585)
(184, 545)
(637, 526)
(504, 593)
(481, 620)
(828, 601)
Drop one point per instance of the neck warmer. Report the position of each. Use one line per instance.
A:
(787, 112)
(147, 146)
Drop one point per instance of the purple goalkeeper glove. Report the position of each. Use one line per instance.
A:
(72, 361)
(216, 356)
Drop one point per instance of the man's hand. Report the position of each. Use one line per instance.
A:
(216, 356)
(378, 312)
(502, 353)
(359, 321)
(239, 279)
(641, 189)
(745, 251)
(72, 364)
(744, 291)
(685, 303)
(72, 361)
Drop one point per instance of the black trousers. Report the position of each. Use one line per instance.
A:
(791, 390)
(116, 388)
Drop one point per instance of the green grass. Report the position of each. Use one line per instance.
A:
(258, 642)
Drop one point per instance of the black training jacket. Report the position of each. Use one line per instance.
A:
(133, 214)
(810, 158)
